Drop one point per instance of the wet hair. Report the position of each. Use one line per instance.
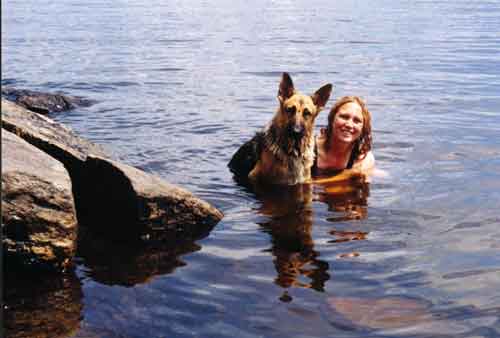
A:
(364, 143)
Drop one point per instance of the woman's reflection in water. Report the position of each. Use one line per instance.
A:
(348, 200)
(291, 216)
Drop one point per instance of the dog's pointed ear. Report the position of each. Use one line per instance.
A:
(286, 88)
(321, 96)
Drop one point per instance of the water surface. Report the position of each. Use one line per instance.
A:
(180, 85)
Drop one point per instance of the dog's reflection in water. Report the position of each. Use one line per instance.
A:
(290, 220)
(290, 213)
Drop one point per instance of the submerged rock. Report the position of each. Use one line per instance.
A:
(386, 313)
(43, 103)
(38, 215)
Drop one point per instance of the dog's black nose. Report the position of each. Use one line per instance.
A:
(296, 131)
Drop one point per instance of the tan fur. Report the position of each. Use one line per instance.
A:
(288, 148)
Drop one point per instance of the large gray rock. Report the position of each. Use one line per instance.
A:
(38, 215)
(43, 103)
(56, 140)
(111, 197)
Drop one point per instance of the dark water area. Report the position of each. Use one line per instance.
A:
(180, 85)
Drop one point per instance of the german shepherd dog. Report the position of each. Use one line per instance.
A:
(283, 153)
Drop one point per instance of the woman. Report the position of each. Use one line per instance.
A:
(347, 140)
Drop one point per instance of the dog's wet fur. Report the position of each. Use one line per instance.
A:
(283, 153)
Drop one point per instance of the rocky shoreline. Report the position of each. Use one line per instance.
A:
(56, 184)
(43, 103)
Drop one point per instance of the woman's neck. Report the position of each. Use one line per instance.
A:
(336, 156)
(340, 149)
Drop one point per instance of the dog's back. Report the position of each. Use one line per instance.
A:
(245, 159)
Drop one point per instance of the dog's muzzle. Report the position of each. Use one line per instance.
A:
(296, 130)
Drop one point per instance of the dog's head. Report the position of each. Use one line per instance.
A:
(297, 111)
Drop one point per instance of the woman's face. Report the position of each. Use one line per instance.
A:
(348, 123)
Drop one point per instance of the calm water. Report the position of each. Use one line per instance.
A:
(180, 85)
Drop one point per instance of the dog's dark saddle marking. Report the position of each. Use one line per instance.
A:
(245, 159)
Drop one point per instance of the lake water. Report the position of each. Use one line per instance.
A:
(180, 85)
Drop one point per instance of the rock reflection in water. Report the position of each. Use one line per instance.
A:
(48, 306)
(129, 264)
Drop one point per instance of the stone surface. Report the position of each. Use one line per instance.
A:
(145, 206)
(56, 140)
(43, 103)
(38, 215)
(111, 197)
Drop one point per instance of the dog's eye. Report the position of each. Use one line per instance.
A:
(290, 110)
(306, 113)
